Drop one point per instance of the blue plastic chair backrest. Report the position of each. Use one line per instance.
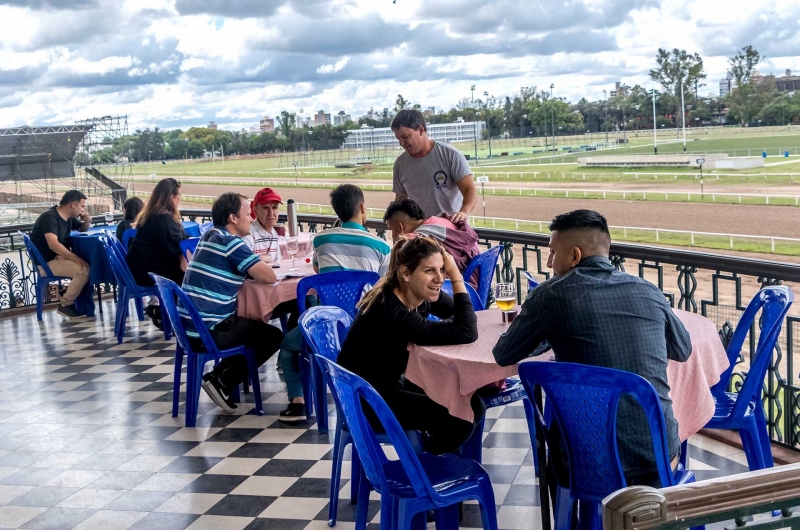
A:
(341, 289)
(532, 283)
(171, 295)
(205, 227)
(324, 328)
(477, 304)
(774, 302)
(127, 235)
(35, 255)
(351, 391)
(584, 401)
(189, 245)
(115, 245)
(118, 264)
(485, 263)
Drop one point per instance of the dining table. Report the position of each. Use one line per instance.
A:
(450, 375)
(257, 301)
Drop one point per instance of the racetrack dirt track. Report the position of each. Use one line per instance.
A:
(778, 221)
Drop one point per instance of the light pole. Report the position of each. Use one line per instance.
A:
(489, 129)
(683, 117)
(605, 113)
(655, 127)
(475, 122)
(521, 122)
(552, 117)
(372, 142)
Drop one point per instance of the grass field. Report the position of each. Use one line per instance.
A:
(724, 140)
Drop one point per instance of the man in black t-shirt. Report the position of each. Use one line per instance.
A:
(50, 235)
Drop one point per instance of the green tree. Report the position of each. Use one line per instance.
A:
(677, 69)
(749, 95)
(286, 122)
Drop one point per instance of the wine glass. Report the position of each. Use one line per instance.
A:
(292, 247)
(505, 296)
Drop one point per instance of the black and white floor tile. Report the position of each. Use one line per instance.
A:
(87, 441)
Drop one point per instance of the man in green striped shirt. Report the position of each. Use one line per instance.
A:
(350, 246)
(345, 248)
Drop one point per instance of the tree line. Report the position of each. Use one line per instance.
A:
(530, 112)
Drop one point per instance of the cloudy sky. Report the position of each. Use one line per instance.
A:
(179, 63)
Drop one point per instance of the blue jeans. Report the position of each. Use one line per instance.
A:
(291, 346)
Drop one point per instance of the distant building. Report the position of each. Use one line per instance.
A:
(619, 92)
(787, 83)
(212, 125)
(341, 118)
(266, 124)
(724, 87)
(459, 131)
(322, 118)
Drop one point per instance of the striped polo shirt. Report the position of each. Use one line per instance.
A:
(216, 272)
(350, 247)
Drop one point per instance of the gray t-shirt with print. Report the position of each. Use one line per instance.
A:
(430, 181)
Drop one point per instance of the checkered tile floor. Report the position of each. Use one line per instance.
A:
(87, 442)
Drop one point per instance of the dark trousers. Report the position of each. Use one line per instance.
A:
(417, 412)
(235, 331)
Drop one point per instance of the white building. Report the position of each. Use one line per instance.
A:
(460, 131)
(341, 118)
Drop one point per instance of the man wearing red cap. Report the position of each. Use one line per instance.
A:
(263, 239)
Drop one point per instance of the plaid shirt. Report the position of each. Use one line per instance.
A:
(599, 316)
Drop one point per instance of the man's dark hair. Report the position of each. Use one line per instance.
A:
(406, 206)
(411, 118)
(226, 205)
(580, 220)
(345, 201)
(72, 196)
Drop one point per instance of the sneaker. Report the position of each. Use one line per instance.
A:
(294, 412)
(215, 391)
(69, 311)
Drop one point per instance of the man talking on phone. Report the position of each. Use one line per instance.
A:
(50, 235)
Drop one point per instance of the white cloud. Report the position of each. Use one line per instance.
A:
(332, 68)
(171, 69)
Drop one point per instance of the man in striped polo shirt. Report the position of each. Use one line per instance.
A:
(217, 270)
(348, 247)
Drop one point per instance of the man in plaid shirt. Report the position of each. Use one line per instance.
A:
(593, 314)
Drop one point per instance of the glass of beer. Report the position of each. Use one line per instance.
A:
(505, 296)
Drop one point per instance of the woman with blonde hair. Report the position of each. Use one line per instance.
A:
(156, 246)
(393, 315)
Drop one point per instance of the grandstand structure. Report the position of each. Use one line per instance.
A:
(38, 163)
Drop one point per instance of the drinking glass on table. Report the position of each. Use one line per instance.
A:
(505, 296)
(292, 247)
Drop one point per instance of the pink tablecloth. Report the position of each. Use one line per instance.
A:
(258, 300)
(690, 381)
(304, 242)
(451, 374)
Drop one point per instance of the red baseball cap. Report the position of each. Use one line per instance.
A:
(264, 196)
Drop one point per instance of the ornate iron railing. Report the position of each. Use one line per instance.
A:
(717, 286)
(747, 500)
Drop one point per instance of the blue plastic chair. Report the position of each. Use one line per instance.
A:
(477, 304)
(414, 483)
(127, 235)
(196, 361)
(205, 227)
(128, 289)
(532, 283)
(583, 401)
(743, 411)
(117, 245)
(324, 329)
(43, 281)
(189, 246)
(485, 263)
(341, 289)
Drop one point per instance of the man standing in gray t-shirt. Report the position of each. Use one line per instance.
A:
(434, 175)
